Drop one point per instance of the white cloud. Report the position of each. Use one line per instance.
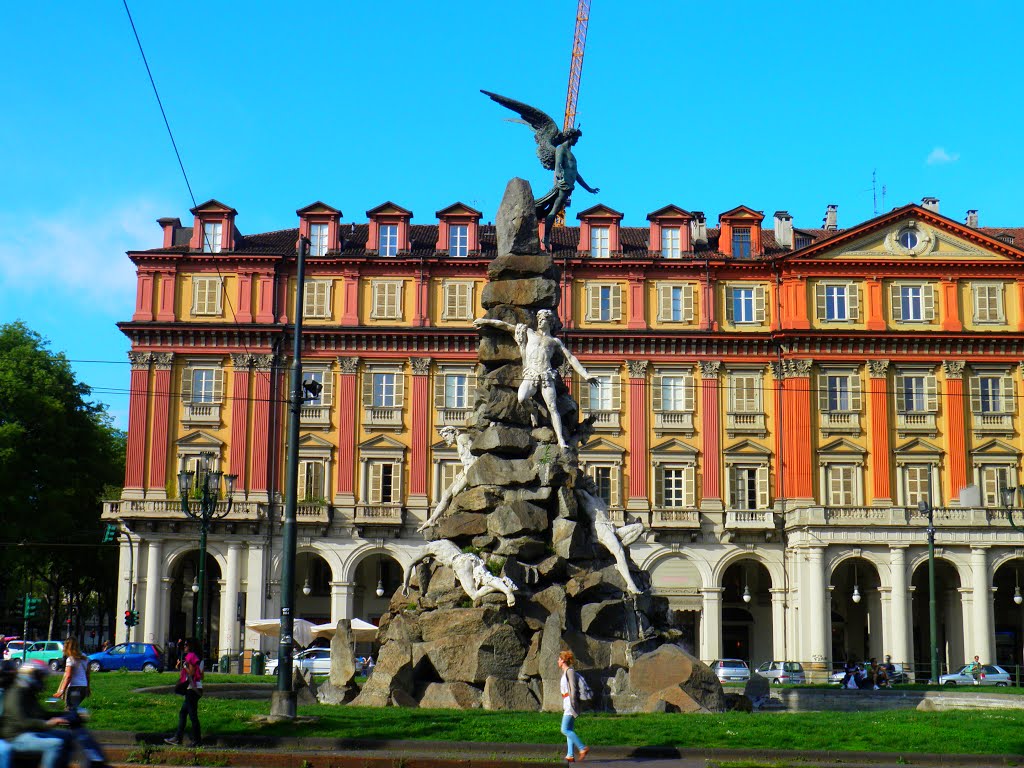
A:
(939, 156)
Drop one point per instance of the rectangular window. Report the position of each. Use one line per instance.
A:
(383, 483)
(670, 244)
(602, 477)
(675, 302)
(601, 393)
(604, 303)
(449, 471)
(839, 391)
(741, 243)
(206, 296)
(458, 240)
(918, 479)
(993, 393)
(676, 487)
(993, 480)
(456, 390)
(317, 239)
(385, 386)
(745, 488)
(675, 393)
(311, 480)
(388, 240)
(212, 232)
(990, 400)
(988, 303)
(387, 482)
(745, 394)
(912, 303)
(842, 481)
(387, 300)
(743, 305)
(912, 394)
(205, 385)
(458, 300)
(599, 242)
(801, 241)
(316, 298)
(323, 378)
(837, 303)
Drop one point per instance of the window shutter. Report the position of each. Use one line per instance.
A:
(301, 489)
(616, 303)
(853, 302)
(465, 308)
(689, 394)
(375, 473)
(730, 305)
(656, 400)
(616, 393)
(998, 300)
(440, 382)
(664, 302)
(894, 301)
(400, 389)
(980, 304)
(593, 302)
(659, 487)
(762, 487)
(584, 394)
(927, 303)
(396, 483)
(377, 300)
(186, 385)
(900, 385)
(823, 392)
(327, 395)
(450, 302)
(690, 487)
(613, 482)
(931, 393)
(819, 302)
(688, 302)
(367, 390)
(760, 305)
(1007, 394)
(734, 490)
(975, 394)
(471, 388)
(218, 385)
(855, 390)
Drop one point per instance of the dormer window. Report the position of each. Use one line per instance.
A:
(599, 232)
(741, 243)
(318, 239)
(458, 230)
(213, 233)
(458, 240)
(670, 229)
(319, 223)
(740, 233)
(599, 242)
(670, 248)
(388, 240)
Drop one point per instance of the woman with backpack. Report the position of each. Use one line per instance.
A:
(571, 689)
(74, 686)
(190, 685)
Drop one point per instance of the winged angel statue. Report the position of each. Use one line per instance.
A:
(554, 148)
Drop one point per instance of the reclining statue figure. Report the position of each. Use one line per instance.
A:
(462, 441)
(469, 569)
(611, 538)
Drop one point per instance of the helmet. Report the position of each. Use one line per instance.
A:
(32, 674)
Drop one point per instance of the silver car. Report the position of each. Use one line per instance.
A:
(731, 670)
(316, 660)
(990, 675)
(783, 672)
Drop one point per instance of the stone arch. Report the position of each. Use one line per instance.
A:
(1007, 615)
(957, 563)
(953, 600)
(175, 552)
(858, 605)
(326, 551)
(655, 560)
(878, 561)
(774, 567)
(678, 579)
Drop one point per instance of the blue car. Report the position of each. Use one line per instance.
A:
(136, 656)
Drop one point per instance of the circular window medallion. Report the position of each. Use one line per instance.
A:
(909, 240)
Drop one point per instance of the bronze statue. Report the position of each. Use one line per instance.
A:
(554, 148)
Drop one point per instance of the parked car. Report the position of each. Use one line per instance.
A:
(783, 672)
(990, 675)
(731, 670)
(14, 649)
(134, 656)
(50, 652)
(316, 660)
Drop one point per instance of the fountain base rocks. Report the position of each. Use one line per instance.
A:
(524, 558)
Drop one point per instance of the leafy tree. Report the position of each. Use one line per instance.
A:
(59, 456)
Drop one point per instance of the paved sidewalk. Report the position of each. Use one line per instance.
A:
(282, 752)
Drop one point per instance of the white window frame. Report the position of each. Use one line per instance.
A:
(842, 485)
(202, 411)
(673, 413)
(384, 294)
(740, 399)
(308, 469)
(376, 411)
(850, 299)
(317, 413)
(457, 299)
(202, 288)
(675, 302)
(925, 298)
(458, 240)
(991, 477)
(608, 417)
(671, 243)
(926, 397)
(756, 302)
(596, 303)
(387, 240)
(762, 490)
(988, 300)
(686, 472)
(213, 236)
(316, 298)
(318, 238)
(448, 414)
(600, 239)
(614, 471)
(923, 475)
(376, 471)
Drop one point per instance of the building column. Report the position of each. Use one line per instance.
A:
(255, 586)
(239, 419)
(143, 297)
(878, 399)
(637, 319)
(796, 403)
(955, 429)
(166, 585)
(422, 316)
(264, 297)
(165, 299)
(347, 379)
(263, 409)
(949, 288)
(639, 460)
(779, 649)
(874, 308)
(152, 616)
(229, 599)
(420, 434)
(711, 624)
(343, 601)
(125, 587)
(816, 611)
(711, 451)
(135, 450)
(243, 312)
(897, 635)
(707, 306)
(158, 444)
(983, 640)
(350, 300)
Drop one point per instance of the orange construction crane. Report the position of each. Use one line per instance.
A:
(579, 46)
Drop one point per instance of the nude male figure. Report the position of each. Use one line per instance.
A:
(537, 349)
(462, 441)
(611, 538)
(470, 570)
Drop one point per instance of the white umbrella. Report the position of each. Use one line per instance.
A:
(362, 631)
(302, 630)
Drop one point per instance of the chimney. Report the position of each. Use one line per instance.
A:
(783, 229)
(831, 220)
(972, 218)
(169, 225)
(930, 204)
(699, 229)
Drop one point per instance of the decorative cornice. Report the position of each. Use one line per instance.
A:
(796, 369)
(241, 360)
(637, 368)
(776, 369)
(878, 369)
(348, 364)
(420, 365)
(140, 360)
(954, 368)
(709, 368)
(264, 362)
(163, 361)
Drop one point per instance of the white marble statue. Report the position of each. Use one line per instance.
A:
(462, 441)
(469, 569)
(537, 349)
(615, 540)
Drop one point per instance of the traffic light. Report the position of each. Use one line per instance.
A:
(31, 607)
(110, 534)
(128, 618)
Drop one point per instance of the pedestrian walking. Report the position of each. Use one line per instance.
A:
(976, 670)
(190, 686)
(74, 686)
(571, 706)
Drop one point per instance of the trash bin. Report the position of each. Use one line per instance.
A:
(225, 664)
(257, 664)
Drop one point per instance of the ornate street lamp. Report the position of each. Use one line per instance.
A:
(856, 588)
(925, 507)
(204, 508)
(1009, 493)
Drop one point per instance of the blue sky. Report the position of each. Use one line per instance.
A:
(773, 105)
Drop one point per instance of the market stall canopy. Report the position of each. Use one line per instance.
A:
(362, 631)
(302, 630)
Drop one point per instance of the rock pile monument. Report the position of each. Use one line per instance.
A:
(524, 559)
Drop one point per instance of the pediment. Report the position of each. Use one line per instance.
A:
(318, 207)
(313, 441)
(601, 446)
(458, 209)
(996, 448)
(669, 212)
(381, 443)
(842, 446)
(747, 448)
(742, 212)
(388, 209)
(199, 438)
(599, 211)
(212, 206)
(919, 446)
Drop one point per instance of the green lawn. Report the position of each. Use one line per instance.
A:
(114, 706)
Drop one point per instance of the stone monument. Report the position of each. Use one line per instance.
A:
(524, 558)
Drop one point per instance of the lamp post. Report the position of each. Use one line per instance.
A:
(204, 509)
(1009, 493)
(925, 507)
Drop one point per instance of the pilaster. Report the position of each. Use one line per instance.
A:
(259, 484)
(163, 363)
(950, 305)
(265, 297)
(707, 306)
(639, 460)
(350, 292)
(422, 317)
(636, 319)
(152, 613)
(243, 307)
(955, 428)
(878, 404)
(420, 415)
(135, 449)
(166, 282)
(239, 418)
(982, 624)
(144, 289)
(711, 624)
(711, 440)
(796, 394)
(874, 309)
(347, 432)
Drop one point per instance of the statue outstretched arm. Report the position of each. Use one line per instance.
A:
(590, 189)
(499, 324)
(576, 364)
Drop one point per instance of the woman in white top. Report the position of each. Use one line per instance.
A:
(570, 707)
(74, 686)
